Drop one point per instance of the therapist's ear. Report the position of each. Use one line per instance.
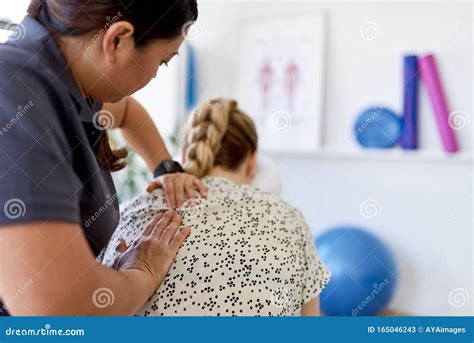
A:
(118, 40)
(251, 166)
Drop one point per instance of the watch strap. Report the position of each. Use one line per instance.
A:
(168, 167)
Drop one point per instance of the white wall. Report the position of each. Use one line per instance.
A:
(425, 207)
(15, 10)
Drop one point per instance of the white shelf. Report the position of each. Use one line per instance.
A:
(396, 155)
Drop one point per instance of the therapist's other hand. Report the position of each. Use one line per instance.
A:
(155, 250)
(176, 186)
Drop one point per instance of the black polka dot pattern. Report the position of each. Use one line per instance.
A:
(248, 254)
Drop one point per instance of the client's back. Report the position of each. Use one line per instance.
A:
(249, 253)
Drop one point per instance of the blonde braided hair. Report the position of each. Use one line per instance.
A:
(217, 133)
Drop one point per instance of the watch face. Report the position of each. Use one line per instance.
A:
(168, 165)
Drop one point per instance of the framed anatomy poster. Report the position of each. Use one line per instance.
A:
(281, 81)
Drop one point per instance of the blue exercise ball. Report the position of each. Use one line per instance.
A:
(364, 272)
(377, 127)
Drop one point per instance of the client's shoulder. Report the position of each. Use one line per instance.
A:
(223, 195)
(226, 193)
(144, 203)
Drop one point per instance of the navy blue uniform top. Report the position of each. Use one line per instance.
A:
(48, 167)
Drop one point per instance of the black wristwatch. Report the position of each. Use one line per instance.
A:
(168, 167)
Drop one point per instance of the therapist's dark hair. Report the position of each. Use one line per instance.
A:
(151, 19)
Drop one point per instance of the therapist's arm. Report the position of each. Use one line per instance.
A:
(138, 129)
(65, 277)
(143, 136)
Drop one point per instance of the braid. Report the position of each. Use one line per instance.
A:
(218, 133)
(205, 131)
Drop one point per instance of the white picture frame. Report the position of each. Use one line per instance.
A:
(281, 81)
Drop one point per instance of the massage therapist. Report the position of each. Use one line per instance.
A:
(65, 78)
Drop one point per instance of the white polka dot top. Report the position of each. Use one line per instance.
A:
(248, 254)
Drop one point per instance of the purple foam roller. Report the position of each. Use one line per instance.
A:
(430, 75)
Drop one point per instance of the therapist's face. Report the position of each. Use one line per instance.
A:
(124, 67)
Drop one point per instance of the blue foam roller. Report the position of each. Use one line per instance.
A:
(409, 137)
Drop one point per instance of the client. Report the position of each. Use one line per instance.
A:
(249, 253)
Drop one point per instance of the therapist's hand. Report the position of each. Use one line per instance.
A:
(178, 185)
(155, 250)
